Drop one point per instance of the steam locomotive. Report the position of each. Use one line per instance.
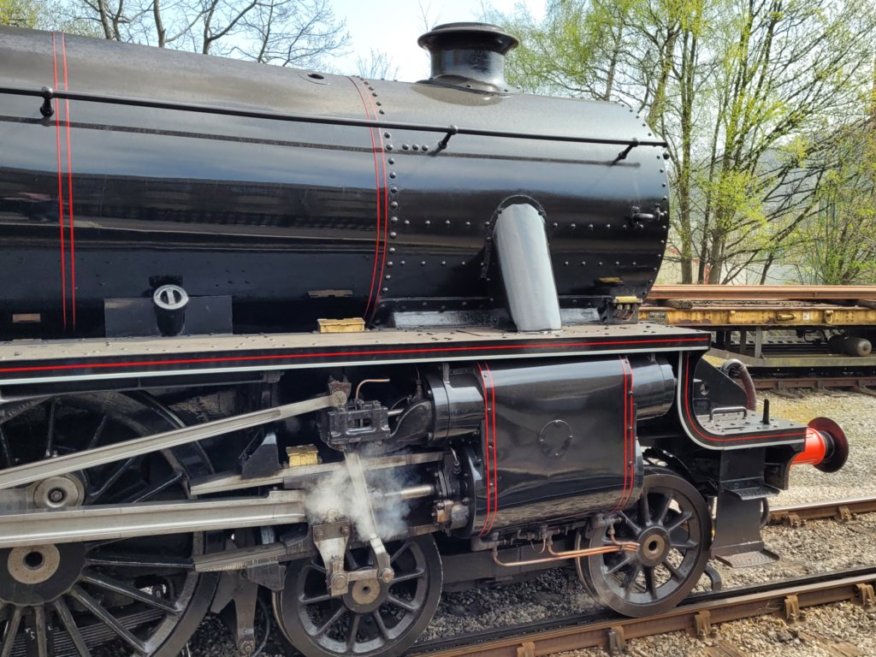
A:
(343, 342)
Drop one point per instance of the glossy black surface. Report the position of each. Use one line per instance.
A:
(283, 217)
(561, 447)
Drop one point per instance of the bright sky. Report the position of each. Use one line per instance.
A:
(394, 25)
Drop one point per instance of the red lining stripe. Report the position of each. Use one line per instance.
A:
(495, 459)
(374, 155)
(329, 354)
(69, 187)
(488, 470)
(628, 435)
(381, 202)
(490, 448)
(694, 425)
(60, 185)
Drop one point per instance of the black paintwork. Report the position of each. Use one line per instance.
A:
(556, 447)
(274, 213)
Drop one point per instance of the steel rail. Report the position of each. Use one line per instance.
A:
(697, 615)
(762, 293)
(843, 509)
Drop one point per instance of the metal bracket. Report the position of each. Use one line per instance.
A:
(331, 539)
(793, 520)
(792, 609)
(617, 641)
(866, 595)
(526, 649)
(703, 624)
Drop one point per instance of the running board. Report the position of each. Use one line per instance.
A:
(112, 522)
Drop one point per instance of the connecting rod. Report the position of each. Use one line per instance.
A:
(30, 472)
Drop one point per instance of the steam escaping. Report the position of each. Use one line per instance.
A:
(334, 496)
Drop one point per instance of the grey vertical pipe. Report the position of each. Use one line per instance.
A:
(525, 263)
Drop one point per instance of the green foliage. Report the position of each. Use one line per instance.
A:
(20, 13)
(744, 91)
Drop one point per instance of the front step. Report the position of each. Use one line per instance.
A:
(750, 559)
(737, 530)
(751, 491)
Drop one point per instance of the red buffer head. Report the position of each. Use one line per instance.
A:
(826, 447)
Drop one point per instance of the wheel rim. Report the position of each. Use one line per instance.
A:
(372, 623)
(140, 594)
(672, 525)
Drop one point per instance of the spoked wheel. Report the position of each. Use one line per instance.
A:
(671, 523)
(369, 621)
(137, 596)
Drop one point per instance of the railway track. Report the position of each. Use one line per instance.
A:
(846, 509)
(699, 614)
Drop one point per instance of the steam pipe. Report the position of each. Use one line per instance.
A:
(525, 263)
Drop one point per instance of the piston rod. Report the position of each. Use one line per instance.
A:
(119, 521)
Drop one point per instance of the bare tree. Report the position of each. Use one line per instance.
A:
(283, 32)
(377, 66)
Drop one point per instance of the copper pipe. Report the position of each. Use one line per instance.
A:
(364, 381)
(626, 546)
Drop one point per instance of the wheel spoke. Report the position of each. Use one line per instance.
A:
(315, 566)
(10, 632)
(351, 634)
(315, 599)
(381, 626)
(683, 518)
(50, 430)
(628, 585)
(350, 560)
(629, 522)
(650, 582)
(4, 447)
(111, 480)
(416, 574)
(335, 617)
(664, 508)
(114, 585)
(40, 630)
(626, 561)
(644, 510)
(689, 544)
(106, 618)
(404, 604)
(98, 432)
(673, 571)
(402, 549)
(66, 617)
(154, 490)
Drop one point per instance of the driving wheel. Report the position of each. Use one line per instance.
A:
(138, 596)
(373, 619)
(671, 523)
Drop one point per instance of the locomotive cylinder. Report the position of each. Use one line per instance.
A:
(458, 396)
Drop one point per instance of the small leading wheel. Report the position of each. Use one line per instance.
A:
(137, 596)
(671, 523)
(368, 622)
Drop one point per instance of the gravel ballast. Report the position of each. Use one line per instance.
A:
(820, 546)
